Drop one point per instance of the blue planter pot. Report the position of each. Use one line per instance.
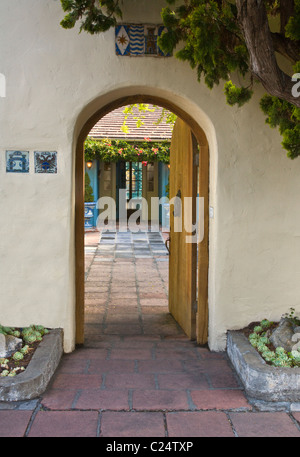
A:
(90, 216)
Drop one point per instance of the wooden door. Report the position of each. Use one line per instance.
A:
(183, 254)
(203, 255)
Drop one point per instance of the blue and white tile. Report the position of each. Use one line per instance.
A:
(45, 161)
(150, 40)
(137, 40)
(122, 40)
(17, 161)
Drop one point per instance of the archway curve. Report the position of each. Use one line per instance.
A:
(86, 120)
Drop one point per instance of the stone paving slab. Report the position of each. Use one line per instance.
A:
(64, 424)
(112, 392)
(132, 424)
(200, 424)
(265, 424)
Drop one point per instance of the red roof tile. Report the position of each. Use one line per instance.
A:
(110, 126)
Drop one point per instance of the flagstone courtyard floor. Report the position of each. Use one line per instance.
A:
(137, 375)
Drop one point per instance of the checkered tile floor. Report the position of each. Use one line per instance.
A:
(114, 245)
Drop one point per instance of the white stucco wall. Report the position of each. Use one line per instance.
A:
(55, 80)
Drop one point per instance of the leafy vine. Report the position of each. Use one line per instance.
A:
(107, 150)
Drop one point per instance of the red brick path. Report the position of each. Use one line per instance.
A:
(137, 374)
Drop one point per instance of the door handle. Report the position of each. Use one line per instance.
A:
(168, 242)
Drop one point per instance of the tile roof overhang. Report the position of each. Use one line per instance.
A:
(109, 126)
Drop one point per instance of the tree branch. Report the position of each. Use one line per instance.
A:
(253, 20)
(286, 47)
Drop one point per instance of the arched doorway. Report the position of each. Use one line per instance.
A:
(201, 312)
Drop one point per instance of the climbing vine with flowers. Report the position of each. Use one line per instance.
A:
(107, 150)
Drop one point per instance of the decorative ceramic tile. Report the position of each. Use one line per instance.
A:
(17, 161)
(151, 40)
(45, 161)
(139, 40)
(122, 40)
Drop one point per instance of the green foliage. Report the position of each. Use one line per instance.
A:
(33, 333)
(107, 150)
(25, 349)
(237, 95)
(129, 111)
(169, 117)
(278, 357)
(18, 356)
(292, 317)
(96, 16)
(212, 42)
(292, 28)
(136, 111)
(28, 335)
(286, 117)
(88, 190)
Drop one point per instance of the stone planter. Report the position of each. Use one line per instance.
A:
(267, 387)
(34, 380)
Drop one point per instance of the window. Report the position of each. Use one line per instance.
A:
(107, 176)
(133, 180)
(150, 177)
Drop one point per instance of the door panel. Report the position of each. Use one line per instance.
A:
(203, 258)
(120, 186)
(150, 189)
(107, 185)
(183, 255)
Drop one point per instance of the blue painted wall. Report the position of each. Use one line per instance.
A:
(163, 178)
(93, 175)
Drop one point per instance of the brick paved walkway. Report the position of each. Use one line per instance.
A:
(137, 374)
